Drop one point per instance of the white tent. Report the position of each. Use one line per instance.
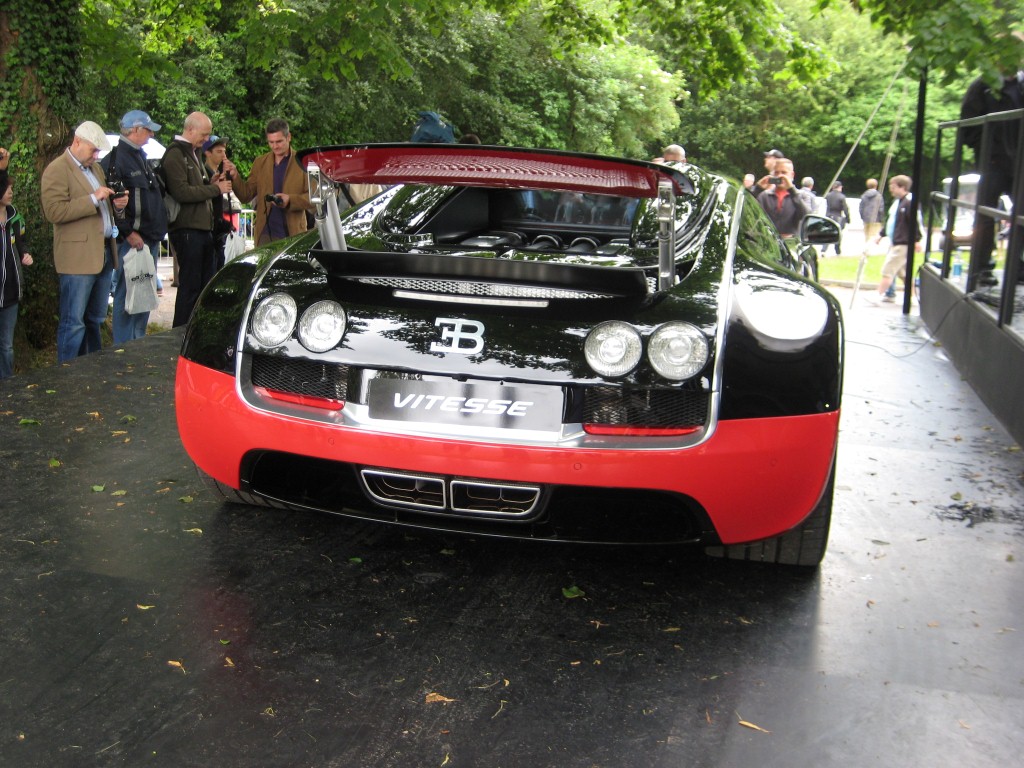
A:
(153, 149)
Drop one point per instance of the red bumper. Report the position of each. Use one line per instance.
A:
(755, 478)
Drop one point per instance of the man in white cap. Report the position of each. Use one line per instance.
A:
(77, 201)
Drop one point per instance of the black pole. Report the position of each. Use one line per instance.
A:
(918, 188)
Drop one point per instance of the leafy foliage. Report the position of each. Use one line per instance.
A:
(726, 78)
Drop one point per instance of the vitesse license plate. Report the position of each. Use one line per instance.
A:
(485, 404)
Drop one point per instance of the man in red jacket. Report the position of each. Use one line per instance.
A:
(276, 187)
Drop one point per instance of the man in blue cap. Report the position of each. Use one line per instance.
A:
(144, 224)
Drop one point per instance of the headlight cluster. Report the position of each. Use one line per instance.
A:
(320, 328)
(677, 351)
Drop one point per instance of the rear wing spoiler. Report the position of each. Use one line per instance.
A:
(473, 165)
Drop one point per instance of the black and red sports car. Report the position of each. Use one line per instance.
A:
(526, 343)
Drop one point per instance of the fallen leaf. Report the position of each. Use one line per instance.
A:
(128, 419)
(752, 726)
(118, 432)
(572, 592)
(185, 499)
(195, 531)
(144, 607)
(94, 414)
(177, 665)
(957, 496)
(99, 488)
(119, 493)
(54, 463)
(29, 423)
(434, 698)
(228, 662)
(672, 629)
(933, 624)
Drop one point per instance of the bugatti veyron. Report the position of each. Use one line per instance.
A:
(526, 343)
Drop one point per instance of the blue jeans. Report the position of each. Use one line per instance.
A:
(83, 308)
(8, 317)
(128, 327)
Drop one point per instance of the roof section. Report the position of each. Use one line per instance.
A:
(473, 165)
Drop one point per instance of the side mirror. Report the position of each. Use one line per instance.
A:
(818, 230)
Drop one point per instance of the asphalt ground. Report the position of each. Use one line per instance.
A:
(143, 622)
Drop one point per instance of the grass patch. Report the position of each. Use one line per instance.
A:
(843, 269)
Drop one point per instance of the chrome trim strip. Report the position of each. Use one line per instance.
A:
(448, 298)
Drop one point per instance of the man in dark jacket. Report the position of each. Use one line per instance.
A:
(903, 234)
(996, 169)
(144, 225)
(838, 210)
(192, 230)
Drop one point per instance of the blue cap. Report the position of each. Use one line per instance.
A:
(213, 141)
(139, 119)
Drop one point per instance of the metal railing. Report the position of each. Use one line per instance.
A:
(948, 204)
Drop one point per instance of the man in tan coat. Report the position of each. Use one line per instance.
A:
(77, 201)
(276, 187)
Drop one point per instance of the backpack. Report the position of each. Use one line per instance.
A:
(173, 206)
(433, 129)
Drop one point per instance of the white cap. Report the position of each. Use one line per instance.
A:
(92, 133)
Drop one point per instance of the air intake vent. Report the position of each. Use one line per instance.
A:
(300, 377)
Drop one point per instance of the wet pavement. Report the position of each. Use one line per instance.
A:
(142, 622)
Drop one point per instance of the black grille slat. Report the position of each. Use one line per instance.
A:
(621, 406)
(300, 377)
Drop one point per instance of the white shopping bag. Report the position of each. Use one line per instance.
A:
(234, 246)
(139, 282)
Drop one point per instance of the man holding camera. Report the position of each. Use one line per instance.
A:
(277, 186)
(145, 217)
(77, 201)
(192, 239)
(780, 200)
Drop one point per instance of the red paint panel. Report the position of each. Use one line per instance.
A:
(755, 477)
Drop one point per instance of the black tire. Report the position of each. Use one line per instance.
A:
(803, 546)
(229, 494)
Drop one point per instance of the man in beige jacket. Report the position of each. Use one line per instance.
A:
(276, 187)
(77, 201)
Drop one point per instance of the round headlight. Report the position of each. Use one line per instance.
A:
(677, 351)
(322, 326)
(274, 319)
(613, 348)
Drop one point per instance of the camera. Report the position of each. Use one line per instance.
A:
(275, 199)
(118, 187)
(775, 180)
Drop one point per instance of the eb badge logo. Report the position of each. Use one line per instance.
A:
(466, 337)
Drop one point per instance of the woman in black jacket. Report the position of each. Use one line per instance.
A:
(13, 255)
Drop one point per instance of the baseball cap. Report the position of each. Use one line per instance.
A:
(139, 119)
(773, 153)
(213, 141)
(92, 133)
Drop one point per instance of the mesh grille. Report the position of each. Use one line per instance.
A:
(472, 288)
(644, 407)
(300, 377)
